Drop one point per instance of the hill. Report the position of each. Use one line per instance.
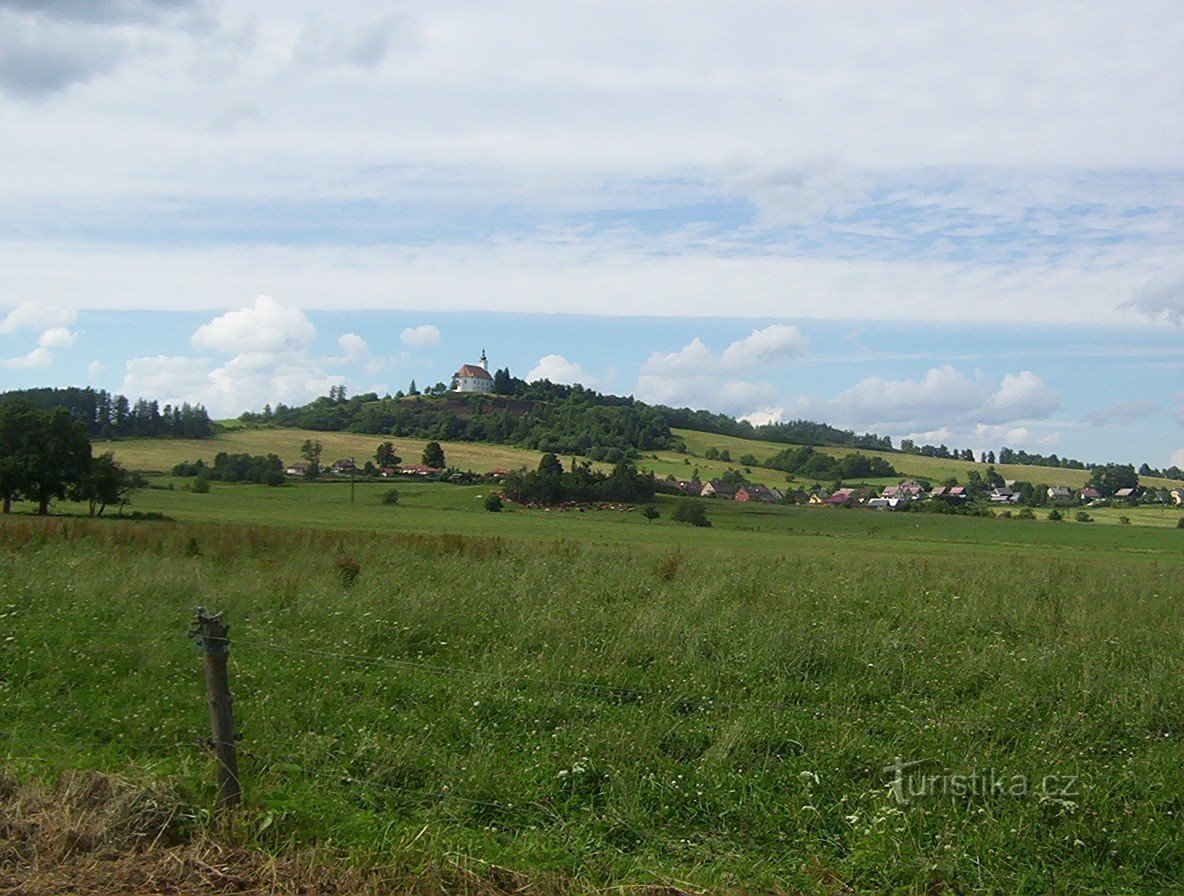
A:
(160, 455)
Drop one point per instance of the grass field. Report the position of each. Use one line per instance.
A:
(588, 701)
(696, 708)
(160, 455)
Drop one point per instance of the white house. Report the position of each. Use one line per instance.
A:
(474, 377)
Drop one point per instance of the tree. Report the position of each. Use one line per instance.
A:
(433, 455)
(650, 512)
(385, 455)
(412, 390)
(18, 420)
(692, 512)
(311, 452)
(60, 451)
(107, 482)
(493, 502)
(1109, 478)
(503, 384)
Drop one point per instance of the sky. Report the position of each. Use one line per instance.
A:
(953, 222)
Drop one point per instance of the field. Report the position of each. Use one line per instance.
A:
(576, 701)
(160, 455)
(698, 708)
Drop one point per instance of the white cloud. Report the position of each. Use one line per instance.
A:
(36, 316)
(39, 358)
(42, 356)
(424, 336)
(269, 346)
(352, 346)
(56, 337)
(265, 326)
(558, 369)
(93, 369)
(609, 275)
(773, 346)
(947, 406)
(1177, 459)
(1020, 396)
(1162, 296)
(1122, 413)
(694, 376)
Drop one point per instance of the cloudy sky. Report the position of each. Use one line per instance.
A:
(960, 222)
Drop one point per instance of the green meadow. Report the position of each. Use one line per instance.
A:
(607, 702)
(590, 700)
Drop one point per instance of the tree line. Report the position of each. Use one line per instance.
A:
(552, 484)
(45, 455)
(110, 416)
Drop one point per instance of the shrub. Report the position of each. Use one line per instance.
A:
(1180, 525)
(1124, 520)
(692, 512)
(668, 566)
(1026, 514)
(1055, 515)
(650, 512)
(201, 486)
(390, 496)
(1082, 517)
(347, 570)
(493, 502)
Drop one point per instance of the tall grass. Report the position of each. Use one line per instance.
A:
(618, 716)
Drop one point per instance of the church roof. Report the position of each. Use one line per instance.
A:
(472, 370)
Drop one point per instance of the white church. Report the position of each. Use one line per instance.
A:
(474, 377)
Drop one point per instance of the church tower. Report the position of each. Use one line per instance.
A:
(484, 363)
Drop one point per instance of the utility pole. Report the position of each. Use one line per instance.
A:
(353, 473)
(211, 634)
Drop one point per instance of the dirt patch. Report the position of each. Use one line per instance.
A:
(98, 834)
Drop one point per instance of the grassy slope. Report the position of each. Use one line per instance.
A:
(159, 455)
(932, 468)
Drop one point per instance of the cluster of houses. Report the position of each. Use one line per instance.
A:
(346, 467)
(893, 497)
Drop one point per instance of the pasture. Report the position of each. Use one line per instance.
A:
(600, 700)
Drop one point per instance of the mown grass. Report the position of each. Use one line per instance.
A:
(627, 715)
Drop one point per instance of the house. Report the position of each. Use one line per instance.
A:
(913, 488)
(844, 497)
(343, 467)
(951, 494)
(1177, 495)
(1004, 495)
(474, 378)
(388, 472)
(1061, 493)
(499, 473)
(818, 496)
(297, 469)
(1127, 494)
(757, 493)
(717, 489)
(689, 487)
(418, 470)
(1089, 494)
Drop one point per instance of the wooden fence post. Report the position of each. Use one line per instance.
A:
(211, 633)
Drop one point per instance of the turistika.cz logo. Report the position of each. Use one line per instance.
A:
(910, 781)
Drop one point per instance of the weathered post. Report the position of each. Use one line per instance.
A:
(211, 634)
